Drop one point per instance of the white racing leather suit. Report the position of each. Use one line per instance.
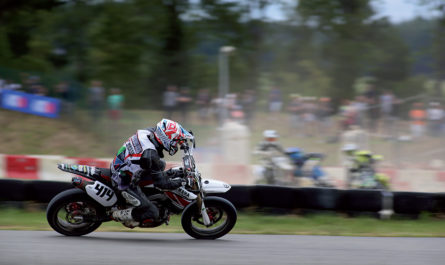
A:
(141, 155)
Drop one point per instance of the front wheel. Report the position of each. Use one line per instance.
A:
(221, 212)
(73, 213)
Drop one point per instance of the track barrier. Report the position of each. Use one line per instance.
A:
(271, 197)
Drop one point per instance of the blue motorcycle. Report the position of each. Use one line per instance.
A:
(308, 165)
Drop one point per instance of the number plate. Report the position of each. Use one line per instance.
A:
(101, 193)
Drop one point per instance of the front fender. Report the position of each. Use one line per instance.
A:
(214, 186)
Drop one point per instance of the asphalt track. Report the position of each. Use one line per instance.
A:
(43, 247)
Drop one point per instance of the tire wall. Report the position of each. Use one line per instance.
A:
(265, 196)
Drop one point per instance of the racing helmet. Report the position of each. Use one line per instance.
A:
(169, 133)
(349, 148)
(270, 135)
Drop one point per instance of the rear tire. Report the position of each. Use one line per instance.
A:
(223, 214)
(67, 210)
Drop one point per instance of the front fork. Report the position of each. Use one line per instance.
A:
(202, 209)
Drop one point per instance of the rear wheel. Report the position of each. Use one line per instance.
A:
(73, 213)
(221, 212)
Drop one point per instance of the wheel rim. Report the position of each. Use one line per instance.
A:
(217, 215)
(71, 216)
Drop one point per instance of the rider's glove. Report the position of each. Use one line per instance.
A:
(174, 173)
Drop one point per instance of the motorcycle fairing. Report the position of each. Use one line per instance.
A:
(177, 200)
(101, 193)
(214, 186)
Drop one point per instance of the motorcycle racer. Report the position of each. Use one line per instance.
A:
(276, 166)
(141, 156)
(270, 143)
(361, 164)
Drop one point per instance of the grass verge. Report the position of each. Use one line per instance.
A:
(256, 223)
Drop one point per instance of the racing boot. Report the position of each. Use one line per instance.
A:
(124, 216)
(185, 193)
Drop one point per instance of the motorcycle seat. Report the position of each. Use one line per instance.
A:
(96, 173)
(104, 172)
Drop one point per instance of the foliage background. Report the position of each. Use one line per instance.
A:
(321, 49)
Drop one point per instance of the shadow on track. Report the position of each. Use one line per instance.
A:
(150, 238)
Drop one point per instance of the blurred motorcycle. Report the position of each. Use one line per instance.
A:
(308, 165)
(274, 170)
(275, 164)
(290, 166)
(361, 169)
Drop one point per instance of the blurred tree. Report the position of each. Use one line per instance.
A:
(116, 45)
(438, 50)
(172, 66)
(417, 34)
(142, 46)
(439, 47)
(345, 24)
(388, 58)
(5, 50)
(224, 23)
(19, 18)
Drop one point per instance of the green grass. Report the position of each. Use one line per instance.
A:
(256, 223)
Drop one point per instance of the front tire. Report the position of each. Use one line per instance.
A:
(221, 212)
(66, 213)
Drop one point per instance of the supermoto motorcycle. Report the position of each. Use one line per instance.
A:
(308, 165)
(274, 170)
(362, 173)
(289, 167)
(81, 210)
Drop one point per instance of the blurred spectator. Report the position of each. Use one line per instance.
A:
(40, 90)
(295, 109)
(248, 105)
(203, 102)
(2, 85)
(371, 98)
(217, 109)
(34, 86)
(348, 115)
(96, 99)
(26, 82)
(10, 85)
(63, 92)
(275, 100)
(324, 113)
(234, 108)
(170, 101)
(237, 113)
(417, 116)
(184, 100)
(387, 101)
(360, 108)
(115, 102)
(231, 100)
(435, 116)
(309, 116)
